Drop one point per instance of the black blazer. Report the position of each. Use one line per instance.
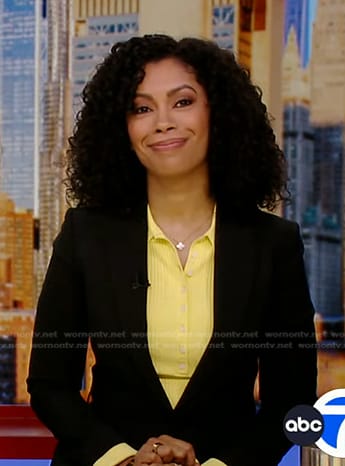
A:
(96, 286)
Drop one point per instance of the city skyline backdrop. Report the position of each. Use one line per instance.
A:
(49, 49)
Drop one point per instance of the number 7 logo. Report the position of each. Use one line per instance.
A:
(332, 407)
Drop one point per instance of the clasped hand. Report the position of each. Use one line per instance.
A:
(165, 450)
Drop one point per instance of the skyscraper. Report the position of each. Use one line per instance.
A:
(19, 35)
(57, 115)
(328, 64)
(298, 133)
(328, 118)
(97, 27)
(16, 299)
(15, 340)
(228, 17)
(79, 34)
(297, 16)
(16, 258)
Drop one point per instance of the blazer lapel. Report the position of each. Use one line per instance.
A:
(236, 265)
(129, 253)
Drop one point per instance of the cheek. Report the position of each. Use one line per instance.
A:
(201, 122)
(137, 132)
(135, 138)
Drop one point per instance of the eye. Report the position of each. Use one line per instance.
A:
(183, 102)
(141, 109)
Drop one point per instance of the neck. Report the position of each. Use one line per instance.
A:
(179, 201)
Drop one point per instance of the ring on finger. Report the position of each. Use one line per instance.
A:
(155, 447)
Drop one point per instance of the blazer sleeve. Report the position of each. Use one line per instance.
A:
(287, 358)
(57, 360)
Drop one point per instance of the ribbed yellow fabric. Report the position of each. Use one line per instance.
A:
(179, 316)
(179, 306)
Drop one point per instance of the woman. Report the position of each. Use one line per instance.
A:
(185, 287)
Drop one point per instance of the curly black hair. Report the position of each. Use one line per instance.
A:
(247, 169)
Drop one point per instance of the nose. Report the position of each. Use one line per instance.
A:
(164, 127)
(164, 121)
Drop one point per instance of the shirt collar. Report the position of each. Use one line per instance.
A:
(154, 232)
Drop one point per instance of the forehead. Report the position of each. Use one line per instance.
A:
(166, 74)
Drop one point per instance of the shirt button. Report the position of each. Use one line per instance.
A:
(189, 273)
(183, 289)
(182, 328)
(182, 349)
(183, 307)
(182, 367)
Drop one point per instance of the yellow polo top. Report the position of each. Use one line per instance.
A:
(179, 316)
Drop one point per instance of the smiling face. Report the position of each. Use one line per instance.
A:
(169, 125)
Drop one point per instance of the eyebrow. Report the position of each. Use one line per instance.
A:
(169, 93)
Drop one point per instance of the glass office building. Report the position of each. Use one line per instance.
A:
(17, 99)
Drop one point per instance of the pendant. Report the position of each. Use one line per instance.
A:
(180, 246)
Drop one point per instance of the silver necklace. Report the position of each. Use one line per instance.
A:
(181, 244)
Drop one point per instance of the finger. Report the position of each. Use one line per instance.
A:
(149, 458)
(151, 446)
(152, 443)
(184, 456)
(146, 455)
(183, 451)
(166, 453)
(155, 446)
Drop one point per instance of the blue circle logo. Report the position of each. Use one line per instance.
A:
(332, 407)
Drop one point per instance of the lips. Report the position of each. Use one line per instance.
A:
(168, 144)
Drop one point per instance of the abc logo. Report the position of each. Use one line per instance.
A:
(303, 425)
